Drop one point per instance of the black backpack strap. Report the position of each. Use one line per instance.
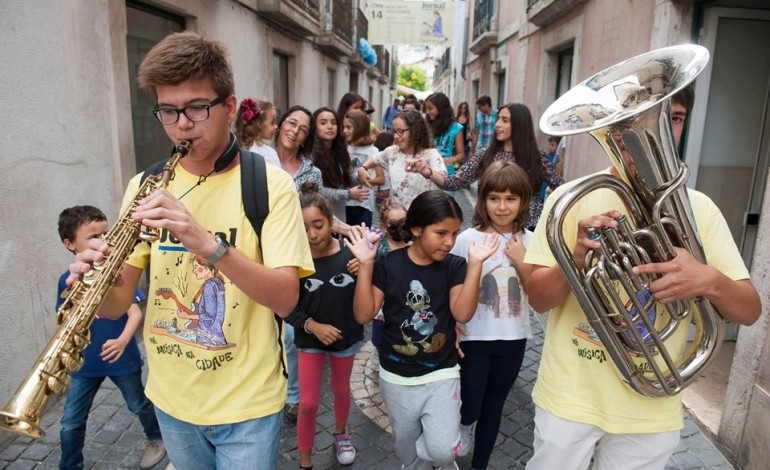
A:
(154, 169)
(256, 200)
(256, 205)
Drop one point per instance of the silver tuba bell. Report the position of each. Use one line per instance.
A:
(626, 108)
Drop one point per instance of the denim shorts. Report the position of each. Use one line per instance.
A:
(350, 351)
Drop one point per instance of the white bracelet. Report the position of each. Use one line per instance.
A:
(304, 327)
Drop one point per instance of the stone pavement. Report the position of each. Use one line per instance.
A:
(114, 438)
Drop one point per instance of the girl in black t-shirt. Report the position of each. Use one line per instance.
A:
(423, 290)
(324, 327)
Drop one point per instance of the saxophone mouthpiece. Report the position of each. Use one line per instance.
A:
(183, 147)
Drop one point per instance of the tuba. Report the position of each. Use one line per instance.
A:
(63, 354)
(626, 108)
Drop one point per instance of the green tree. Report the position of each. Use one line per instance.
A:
(413, 77)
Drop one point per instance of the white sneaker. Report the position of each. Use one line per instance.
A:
(346, 453)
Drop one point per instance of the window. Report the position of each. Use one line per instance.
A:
(280, 82)
(146, 26)
(331, 79)
(475, 88)
(353, 82)
(564, 71)
(501, 88)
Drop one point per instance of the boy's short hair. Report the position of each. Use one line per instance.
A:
(484, 100)
(71, 219)
(187, 56)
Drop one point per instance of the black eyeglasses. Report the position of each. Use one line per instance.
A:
(400, 132)
(193, 112)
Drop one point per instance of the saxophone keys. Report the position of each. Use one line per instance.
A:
(58, 382)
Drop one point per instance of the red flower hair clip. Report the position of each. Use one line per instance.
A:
(249, 109)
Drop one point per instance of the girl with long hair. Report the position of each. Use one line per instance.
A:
(330, 155)
(447, 133)
(464, 118)
(514, 141)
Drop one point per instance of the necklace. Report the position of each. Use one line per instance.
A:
(512, 237)
(222, 161)
(201, 180)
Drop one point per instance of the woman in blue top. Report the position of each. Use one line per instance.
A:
(447, 133)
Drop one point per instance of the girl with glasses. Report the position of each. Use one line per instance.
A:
(412, 144)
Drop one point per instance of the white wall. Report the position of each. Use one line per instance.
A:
(67, 136)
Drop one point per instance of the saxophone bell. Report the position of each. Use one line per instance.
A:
(63, 354)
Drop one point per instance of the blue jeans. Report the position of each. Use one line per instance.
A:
(80, 397)
(292, 390)
(248, 444)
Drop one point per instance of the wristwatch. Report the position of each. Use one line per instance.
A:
(222, 247)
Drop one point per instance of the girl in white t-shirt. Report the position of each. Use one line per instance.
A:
(495, 338)
(255, 125)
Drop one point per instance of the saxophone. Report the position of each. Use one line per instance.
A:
(63, 354)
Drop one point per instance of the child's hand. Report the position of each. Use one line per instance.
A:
(478, 252)
(364, 176)
(359, 193)
(327, 334)
(112, 349)
(418, 165)
(460, 331)
(515, 251)
(361, 242)
(353, 266)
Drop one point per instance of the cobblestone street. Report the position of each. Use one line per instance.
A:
(114, 439)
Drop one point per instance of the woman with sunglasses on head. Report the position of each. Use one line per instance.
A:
(296, 133)
(412, 143)
(514, 141)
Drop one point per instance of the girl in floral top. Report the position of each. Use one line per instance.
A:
(412, 139)
(514, 141)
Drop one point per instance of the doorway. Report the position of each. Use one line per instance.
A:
(727, 152)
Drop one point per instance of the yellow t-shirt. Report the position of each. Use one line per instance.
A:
(577, 379)
(224, 367)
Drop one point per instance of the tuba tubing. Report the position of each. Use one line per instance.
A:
(63, 354)
(626, 109)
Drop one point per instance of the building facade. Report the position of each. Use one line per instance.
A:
(533, 51)
(76, 128)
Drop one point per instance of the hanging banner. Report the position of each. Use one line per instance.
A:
(410, 22)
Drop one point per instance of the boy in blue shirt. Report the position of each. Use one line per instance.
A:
(113, 353)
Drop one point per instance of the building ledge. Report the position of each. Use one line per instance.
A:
(543, 12)
(300, 16)
(483, 42)
(332, 44)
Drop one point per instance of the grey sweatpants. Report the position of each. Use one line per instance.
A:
(425, 421)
